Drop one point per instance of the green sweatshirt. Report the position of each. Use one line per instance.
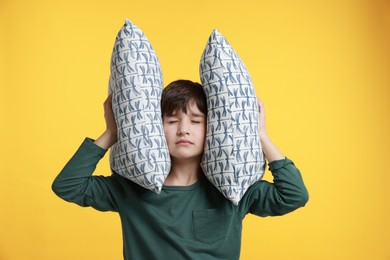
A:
(183, 222)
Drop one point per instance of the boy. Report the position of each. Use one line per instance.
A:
(190, 219)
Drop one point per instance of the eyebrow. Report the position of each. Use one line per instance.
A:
(198, 115)
(191, 114)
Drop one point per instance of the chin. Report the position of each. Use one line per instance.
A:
(186, 156)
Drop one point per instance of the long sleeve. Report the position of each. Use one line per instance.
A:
(76, 184)
(285, 194)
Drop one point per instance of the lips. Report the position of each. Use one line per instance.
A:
(184, 142)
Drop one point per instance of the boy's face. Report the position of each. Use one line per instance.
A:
(185, 133)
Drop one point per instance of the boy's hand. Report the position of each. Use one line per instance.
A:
(109, 115)
(109, 137)
(270, 150)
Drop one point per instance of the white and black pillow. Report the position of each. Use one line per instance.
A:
(233, 159)
(141, 153)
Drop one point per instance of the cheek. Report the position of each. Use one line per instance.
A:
(167, 134)
(202, 132)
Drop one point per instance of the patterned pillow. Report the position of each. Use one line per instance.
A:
(233, 159)
(141, 153)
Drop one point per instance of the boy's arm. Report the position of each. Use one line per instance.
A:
(287, 193)
(76, 184)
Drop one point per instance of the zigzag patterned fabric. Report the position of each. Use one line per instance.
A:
(141, 153)
(233, 159)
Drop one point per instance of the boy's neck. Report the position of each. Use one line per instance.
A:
(183, 174)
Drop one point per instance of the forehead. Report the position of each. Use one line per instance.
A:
(191, 109)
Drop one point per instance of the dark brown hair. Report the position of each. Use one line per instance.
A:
(178, 95)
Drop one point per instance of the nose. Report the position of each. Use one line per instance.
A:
(183, 128)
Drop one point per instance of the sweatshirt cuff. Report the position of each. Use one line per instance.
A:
(278, 164)
(89, 144)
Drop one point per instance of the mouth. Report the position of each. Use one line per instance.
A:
(184, 142)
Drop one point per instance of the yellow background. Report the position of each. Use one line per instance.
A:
(321, 68)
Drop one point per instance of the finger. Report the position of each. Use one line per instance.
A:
(260, 104)
(108, 101)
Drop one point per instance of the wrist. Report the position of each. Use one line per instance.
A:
(270, 150)
(111, 136)
(107, 139)
(263, 135)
